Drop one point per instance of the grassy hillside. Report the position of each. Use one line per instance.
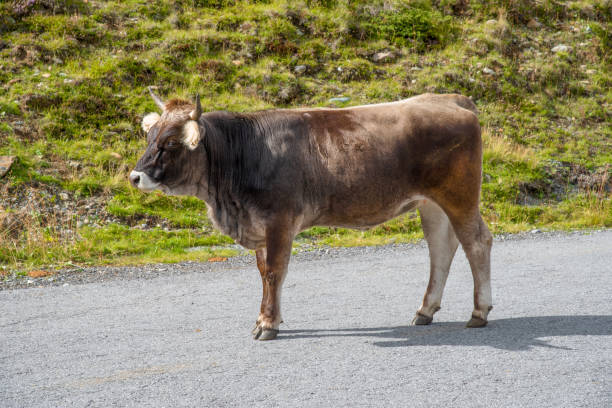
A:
(73, 78)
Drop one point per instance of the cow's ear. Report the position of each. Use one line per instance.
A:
(191, 134)
(149, 121)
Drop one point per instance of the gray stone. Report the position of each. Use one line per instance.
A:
(5, 164)
(561, 48)
(385, 56)
(488, 71)
(299, 69)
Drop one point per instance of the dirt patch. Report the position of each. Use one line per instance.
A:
(11, 224)
(217, 259)
(40, 101)
(37, 206)
(39, 273)
(562, 180)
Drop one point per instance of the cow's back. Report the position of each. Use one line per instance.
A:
(369, 162)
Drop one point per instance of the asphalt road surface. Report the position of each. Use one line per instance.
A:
(183, 339)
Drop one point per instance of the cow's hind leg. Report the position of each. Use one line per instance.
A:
(442, 243)
(272, 262)
(476, 241)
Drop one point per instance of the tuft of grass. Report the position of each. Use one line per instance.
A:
(186, 212)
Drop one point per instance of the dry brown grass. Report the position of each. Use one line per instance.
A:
(28, 234)
(501, 146)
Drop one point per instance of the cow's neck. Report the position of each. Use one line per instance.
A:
(228, 161)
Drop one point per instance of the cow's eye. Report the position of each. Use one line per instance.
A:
(171, 144)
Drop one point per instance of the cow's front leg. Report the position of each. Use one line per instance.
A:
(260, 256)
(272, 263)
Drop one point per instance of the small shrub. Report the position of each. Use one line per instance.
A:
(229, 22)
(177, 51)
(157, 10)
(134, 71)
(354, 70)
(217, 42)
(278, 37)
(301, 19)
(419, 27)
(23, 8)
(147, 31)
(521, 11)
(215, 70)
(85, 30)
(315, 49)
(282, 93)
(7, 20)
(84, 105)
(10, 108)
(86, 187)
(604, 35)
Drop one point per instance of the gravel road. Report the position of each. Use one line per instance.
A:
(174, 336)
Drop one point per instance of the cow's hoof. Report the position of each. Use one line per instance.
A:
(421, 320)
(268, 334)
(476, 322)
(260, 333)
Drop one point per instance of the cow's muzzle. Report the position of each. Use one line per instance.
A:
(142, 181)
(134, 178)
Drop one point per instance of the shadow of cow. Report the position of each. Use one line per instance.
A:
(521, 333)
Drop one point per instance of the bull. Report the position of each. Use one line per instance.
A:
(266, 176)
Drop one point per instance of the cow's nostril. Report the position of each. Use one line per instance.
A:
(134, 179)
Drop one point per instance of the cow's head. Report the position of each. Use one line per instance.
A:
(171, 137)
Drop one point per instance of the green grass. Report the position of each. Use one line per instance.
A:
(120, 245)
(73, 91)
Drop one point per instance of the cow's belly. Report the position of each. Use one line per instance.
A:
(364, 215)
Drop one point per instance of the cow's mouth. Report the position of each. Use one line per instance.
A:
(143, 182)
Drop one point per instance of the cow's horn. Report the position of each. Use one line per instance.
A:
(197, 112)
(157, 100)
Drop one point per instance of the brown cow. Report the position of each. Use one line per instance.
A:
(266, 176)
